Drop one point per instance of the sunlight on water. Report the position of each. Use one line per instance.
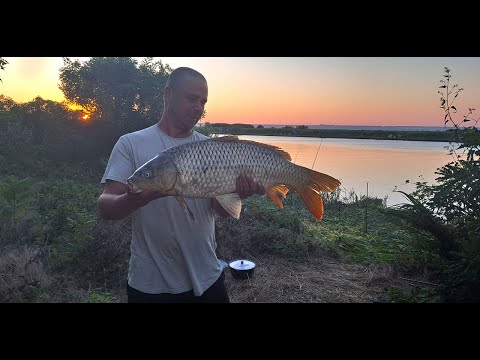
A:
(383, 164)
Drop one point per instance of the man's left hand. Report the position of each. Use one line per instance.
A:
(246, 187)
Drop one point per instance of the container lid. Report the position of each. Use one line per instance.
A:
(242, 264)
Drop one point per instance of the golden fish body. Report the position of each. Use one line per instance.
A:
(210, 168)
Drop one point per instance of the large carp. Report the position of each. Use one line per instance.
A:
(209, 169)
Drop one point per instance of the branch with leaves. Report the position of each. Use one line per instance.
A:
(468, 136)
(446, 101)
(3, 62)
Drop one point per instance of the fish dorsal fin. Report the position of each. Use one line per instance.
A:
(226, 138)
(235, 138)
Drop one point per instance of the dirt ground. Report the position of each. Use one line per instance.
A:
(316, 279)
(319, 279)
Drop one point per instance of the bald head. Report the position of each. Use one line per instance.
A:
(177, 76)
(185, 96)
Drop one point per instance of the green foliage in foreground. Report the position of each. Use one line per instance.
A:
(359, 231)
(450, 209)
(292, 231)
(70, 255)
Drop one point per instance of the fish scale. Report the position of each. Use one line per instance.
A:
(215, 166)
(210, 168)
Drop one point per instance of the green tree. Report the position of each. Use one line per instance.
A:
(6, 103)
(116, 90)
(40, 133)
(46, 119)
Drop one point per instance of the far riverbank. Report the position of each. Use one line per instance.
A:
(301, 131)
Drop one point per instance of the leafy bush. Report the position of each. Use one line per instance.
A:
(450, 209)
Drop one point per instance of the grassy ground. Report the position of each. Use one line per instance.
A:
(355, 254)
(343, 258)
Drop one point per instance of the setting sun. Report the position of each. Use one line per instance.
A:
(86, 115)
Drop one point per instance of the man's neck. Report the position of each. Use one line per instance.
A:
(167, 127)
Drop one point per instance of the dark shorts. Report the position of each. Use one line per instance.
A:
(217, 293)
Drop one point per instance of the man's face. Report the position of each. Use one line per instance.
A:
(187, 102)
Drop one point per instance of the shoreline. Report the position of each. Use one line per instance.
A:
(419, 135)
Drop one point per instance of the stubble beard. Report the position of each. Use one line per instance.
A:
(185, 125)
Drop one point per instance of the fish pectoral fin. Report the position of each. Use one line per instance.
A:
(274, 192)
(181, 200)
(231, 203)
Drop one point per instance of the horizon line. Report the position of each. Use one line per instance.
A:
(248, 123)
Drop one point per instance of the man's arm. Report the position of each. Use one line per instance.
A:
(117, 201)
(245, 187)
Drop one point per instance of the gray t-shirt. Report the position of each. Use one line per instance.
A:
(169, 252)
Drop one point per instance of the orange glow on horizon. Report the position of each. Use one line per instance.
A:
(344, 91)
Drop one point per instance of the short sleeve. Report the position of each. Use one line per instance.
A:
(121, 163)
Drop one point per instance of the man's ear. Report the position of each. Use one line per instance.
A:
(167, 94)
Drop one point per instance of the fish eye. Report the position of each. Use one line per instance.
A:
(147, 174)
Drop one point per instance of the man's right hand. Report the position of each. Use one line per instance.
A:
(143, 197)
(118, 201)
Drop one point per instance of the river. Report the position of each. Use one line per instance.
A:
(373, 167)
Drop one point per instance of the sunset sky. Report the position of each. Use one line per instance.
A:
(385, 91)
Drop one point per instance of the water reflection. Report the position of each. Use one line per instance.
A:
(382, 164)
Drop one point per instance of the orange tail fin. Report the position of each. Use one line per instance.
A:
(313, 201)
(309, 192)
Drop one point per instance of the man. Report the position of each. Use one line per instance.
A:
(172, 259)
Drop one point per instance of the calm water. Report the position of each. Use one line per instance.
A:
(382, 164)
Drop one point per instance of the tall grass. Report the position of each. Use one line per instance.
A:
(73, 256)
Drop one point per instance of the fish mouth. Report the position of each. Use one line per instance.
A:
(131, 186)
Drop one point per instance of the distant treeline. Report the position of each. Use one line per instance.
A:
(304, 131)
